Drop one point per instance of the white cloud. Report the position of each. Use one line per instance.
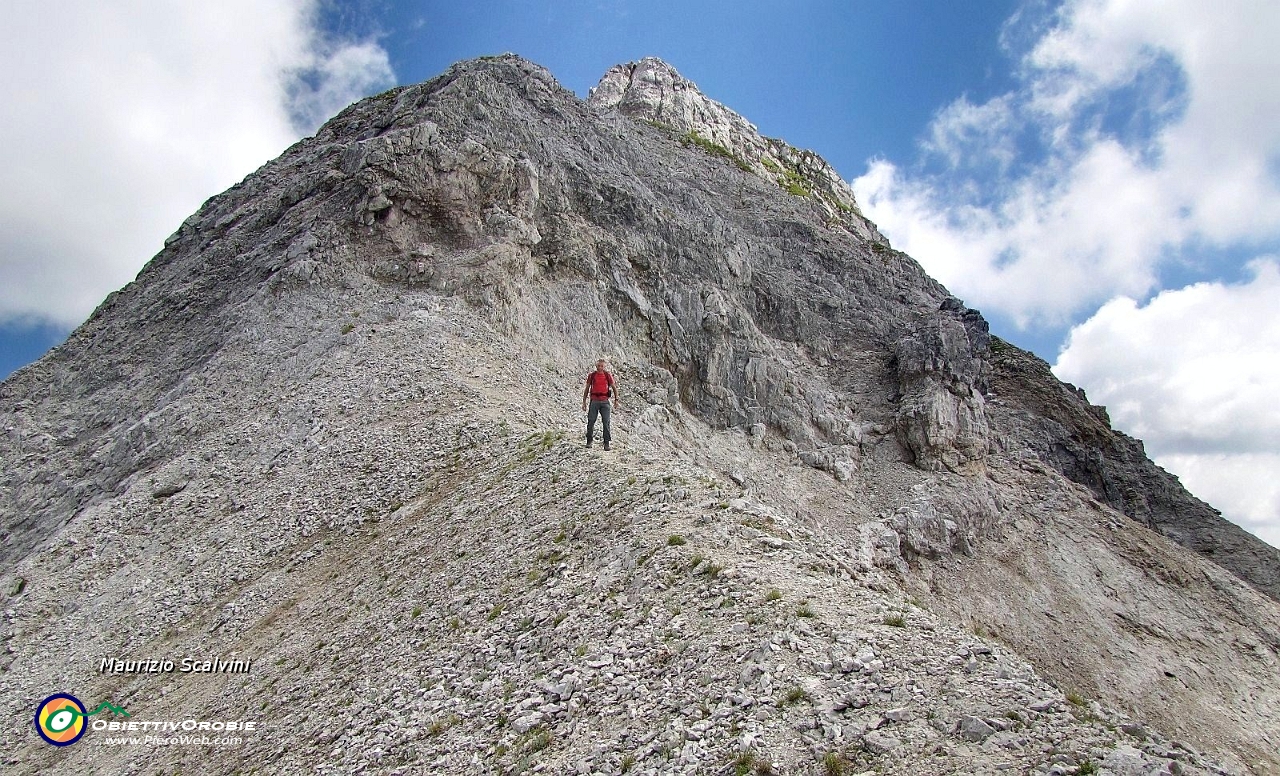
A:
(1055, 241)
(1218, 157)
(1145, 127)
(121, 118)
(969, 135)
(1195, 374)
(1143, 136)
(340, 74)
(1243, 485)
(1095, 46)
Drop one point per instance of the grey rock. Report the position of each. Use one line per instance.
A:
(1075, 438)
(1135, 730)
(601, 661)
(943, 373)
(169, 487)
(974, 729)
(1127, 761)
(898, 715)
(651, 90)
(880, 743)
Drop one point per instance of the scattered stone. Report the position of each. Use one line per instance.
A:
(974, 729)
(169, 487)
(880, 743)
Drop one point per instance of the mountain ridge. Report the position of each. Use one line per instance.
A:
(362, 357)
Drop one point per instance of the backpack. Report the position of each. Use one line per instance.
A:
(600, 384)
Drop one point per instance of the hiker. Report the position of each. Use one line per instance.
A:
(600, 386)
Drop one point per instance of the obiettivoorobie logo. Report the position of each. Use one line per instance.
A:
(60, 718)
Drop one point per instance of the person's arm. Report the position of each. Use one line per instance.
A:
(614, 385)
(586, 393)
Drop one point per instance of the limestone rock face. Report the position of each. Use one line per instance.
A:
(1075, 438)
(943, 374)
(651, 90)
(333, 427)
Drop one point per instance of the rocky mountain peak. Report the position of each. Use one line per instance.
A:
(652, 90)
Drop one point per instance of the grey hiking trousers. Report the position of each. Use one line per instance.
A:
(600, 408)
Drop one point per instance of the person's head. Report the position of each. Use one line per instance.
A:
(601, 364)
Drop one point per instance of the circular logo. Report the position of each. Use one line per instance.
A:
(60, 719)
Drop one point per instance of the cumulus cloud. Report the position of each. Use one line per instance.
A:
(969, 135)
(333, 77)
(1057, 240)
(121, 118)
(1195, 373)
(1137, 129)
(1142, 141)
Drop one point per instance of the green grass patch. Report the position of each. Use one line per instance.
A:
(441, 724)
(749, 762)
(539, 442)
(795, 183)
(835, 764)
(660, 125)
(715, 149)
(535, 740)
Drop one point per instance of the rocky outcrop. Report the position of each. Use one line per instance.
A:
(652, 91)
(943, 373)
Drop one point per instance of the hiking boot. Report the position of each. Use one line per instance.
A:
(588, 444)
(606, 446)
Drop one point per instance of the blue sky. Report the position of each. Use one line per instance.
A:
(1100, 177)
